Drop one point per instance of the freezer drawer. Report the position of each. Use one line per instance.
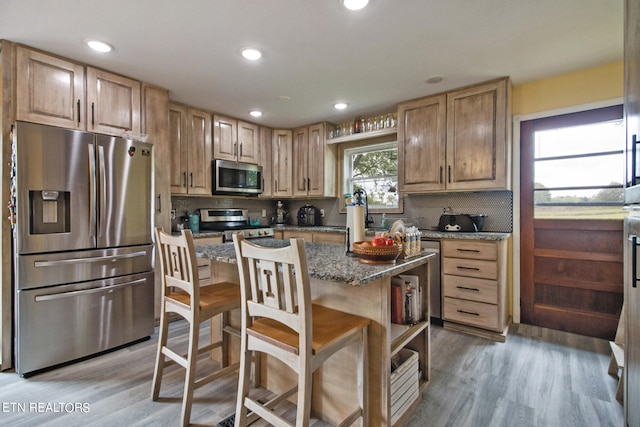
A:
(34, 271)
(62, 323)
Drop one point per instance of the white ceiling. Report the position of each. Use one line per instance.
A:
(316, 52)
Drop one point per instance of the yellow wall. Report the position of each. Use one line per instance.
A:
(581, 87)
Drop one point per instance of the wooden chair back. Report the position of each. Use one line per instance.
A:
(178, 264)
(274, 283)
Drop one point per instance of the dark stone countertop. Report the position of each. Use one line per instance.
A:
(325, 261)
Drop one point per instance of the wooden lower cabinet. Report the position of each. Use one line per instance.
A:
(309, 236)
(474, 287)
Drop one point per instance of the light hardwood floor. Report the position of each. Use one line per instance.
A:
(539, 377)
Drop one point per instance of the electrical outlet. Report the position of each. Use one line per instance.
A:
(173, 214)
(264, 213)
(322, 213)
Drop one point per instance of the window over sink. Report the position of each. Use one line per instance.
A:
(374, 168)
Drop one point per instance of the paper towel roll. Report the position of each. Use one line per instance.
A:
(350, 225)
(358, 223)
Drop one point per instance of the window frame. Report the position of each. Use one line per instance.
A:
(365, 146)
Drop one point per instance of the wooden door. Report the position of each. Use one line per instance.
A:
(199, 152)
(282, 168)
(571, 269)
(178, 145)
(421, 144)
(477, 137)
(300, 161)
(248, 143)
(113, 103)
(316, 160)
(225, 138)
(50, 90)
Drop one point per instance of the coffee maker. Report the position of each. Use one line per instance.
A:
(282, 216)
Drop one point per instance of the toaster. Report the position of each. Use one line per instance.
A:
(457, 222)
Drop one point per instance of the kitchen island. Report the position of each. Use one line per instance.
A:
(343, 283)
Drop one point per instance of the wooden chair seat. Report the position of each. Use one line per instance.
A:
(278, 319)
(182, 295)
(329, 327)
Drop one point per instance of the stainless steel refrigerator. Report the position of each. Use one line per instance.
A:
(83, 266)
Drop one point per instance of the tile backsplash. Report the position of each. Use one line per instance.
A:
(421, 210)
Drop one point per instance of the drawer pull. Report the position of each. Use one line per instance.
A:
(468, 312)
(468, 289)
(462, 267)
(468, 250)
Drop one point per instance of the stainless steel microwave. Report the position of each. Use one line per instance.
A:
(236, 178)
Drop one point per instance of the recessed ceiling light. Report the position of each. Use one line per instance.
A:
(255, 113)
(340, 106)
(355, 4)
(434, 79)
(251, 53)
(99, 46)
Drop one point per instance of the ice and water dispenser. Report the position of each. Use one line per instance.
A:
(49, 211)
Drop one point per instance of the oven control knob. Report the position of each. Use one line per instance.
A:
(250, 233)
(260, 232)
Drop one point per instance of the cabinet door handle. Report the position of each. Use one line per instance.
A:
(184, 178)
(468, 312)
(93, 121)
(634, 162)
(308, 184)
(468, 289)
(449, 174)
(191, 177)
(235, 149)
(441, 171)
(463, 267)
(159, 204)
(276, 185)
(241, 149)
(78, 107)
(468, 250)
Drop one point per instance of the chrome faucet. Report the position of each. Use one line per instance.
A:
(358, 196)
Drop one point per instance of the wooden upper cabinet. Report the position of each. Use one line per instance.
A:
(300, 161)
(455, 141)
(50, 90)
(178, 147)
(421, 144)
(113, 103)
(265, 141)
(477, 137)
(199, 152)
(235, 140)
(282, 167)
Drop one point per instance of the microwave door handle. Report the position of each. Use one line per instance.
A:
(92, 189)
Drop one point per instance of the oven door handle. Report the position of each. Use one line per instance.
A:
(70, 294)
(112, 258)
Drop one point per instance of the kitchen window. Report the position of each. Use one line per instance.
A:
(578, 170)
(374, 168)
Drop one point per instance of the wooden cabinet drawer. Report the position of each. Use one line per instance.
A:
(471, 313)
(336, 238)
(480, 290)
(470, 268)
(470, 249)
(306, 235)
(204, 271)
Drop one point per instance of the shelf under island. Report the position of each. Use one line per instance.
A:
(343, 283)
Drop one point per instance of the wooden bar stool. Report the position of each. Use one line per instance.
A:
(279, 319)
(182, 294)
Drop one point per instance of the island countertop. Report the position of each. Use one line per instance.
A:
(325, 261)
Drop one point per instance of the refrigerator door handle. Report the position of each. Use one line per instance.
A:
(92, 189)
(102, 191)
(112, 258)
(49, 297)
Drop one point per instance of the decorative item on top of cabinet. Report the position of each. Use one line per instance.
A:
(235, 140)
(314, 163)
(474, 288)
(50, 90)
(113, 103)
(462, 136)
(190, 133)
(282, 167)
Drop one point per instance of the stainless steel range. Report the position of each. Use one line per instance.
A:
(232, 221)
